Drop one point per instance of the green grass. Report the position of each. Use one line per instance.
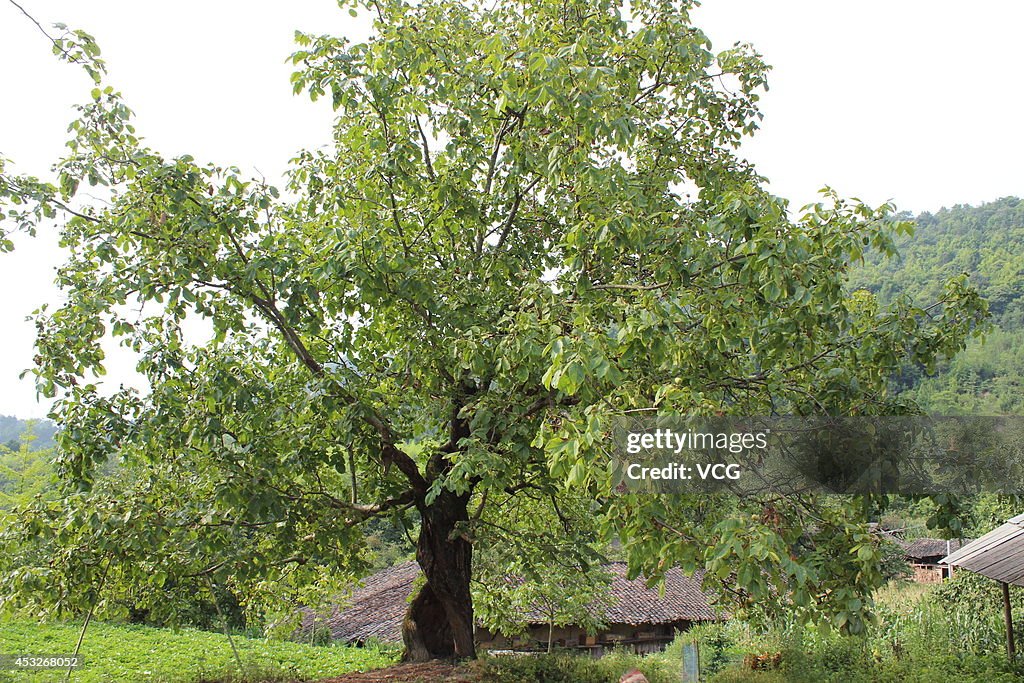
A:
(918, 639)
(139, 653)
(902, 596)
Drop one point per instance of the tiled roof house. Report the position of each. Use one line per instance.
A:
(641, 618)
(925, 558)
(930, 550)
(375, 610)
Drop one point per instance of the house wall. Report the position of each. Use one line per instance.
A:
(639, 638)
(930, 573)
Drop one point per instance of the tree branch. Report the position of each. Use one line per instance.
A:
(42, 30)
(426, 149)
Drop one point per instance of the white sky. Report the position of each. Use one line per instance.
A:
(911, 100)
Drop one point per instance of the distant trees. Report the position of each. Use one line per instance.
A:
(26, 465)
(986, 242)
(24, 473)
(38, 434)
(983, 241)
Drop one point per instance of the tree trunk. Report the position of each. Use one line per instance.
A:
(439, 621)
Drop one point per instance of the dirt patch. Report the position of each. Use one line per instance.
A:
(427, 672)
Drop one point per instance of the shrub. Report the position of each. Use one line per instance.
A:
(569, 668)
(973, 606)
(922, 636)
(718, 643)
(321, 635)
(733, 675)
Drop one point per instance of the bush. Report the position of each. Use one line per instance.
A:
(321, 635)
(973, 607)
(742, 676)
(949, 633)
(718, 642)
(827, 656)
(530, 668)
(569, 668)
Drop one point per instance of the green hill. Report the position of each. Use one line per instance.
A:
(26, 453)
(987, 243)
(13, 429)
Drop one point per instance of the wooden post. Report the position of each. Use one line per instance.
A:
(1011, 649)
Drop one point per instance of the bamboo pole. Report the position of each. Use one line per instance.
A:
(1011, 650)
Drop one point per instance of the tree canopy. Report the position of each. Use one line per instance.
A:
(533, 221)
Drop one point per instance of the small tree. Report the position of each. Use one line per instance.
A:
(533, 220)
(540, 559)
(560, 595)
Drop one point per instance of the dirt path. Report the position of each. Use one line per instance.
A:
(428, 672)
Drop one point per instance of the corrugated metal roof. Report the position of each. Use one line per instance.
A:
(998, 555)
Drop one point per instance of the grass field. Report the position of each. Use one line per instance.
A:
(139, 653)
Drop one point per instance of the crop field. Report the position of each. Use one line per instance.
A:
(140, 653)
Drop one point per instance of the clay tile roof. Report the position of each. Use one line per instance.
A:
(376, 609)
(634, 603)
(924, 548)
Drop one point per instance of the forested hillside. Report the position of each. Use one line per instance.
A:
(987, 243)
(26, 452)
(13, 429)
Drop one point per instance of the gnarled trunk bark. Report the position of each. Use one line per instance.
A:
(439, 621)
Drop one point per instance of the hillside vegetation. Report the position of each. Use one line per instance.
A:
(37, 434)
(987, 243)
